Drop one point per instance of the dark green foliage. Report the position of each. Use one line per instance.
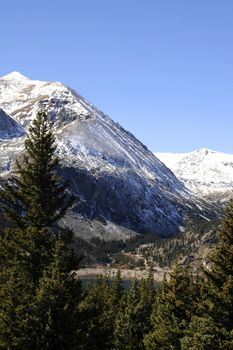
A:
(125, 332)
(116, 293)
(202, 334)
(19, 273)
(133, 319)
(35, 195)
(30, 246)
(98, 311)
(214, 319)
(145, 307)
(56, 303)
(39, 299)
(173, 309)
(94, 330)
(112, 318)
(39, 295)
(16, 315)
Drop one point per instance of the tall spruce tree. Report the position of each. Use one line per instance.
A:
(212, 327)
(35, 195)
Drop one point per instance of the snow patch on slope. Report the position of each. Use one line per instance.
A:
(204, 171)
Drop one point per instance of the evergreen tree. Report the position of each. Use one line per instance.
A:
(172, 312)
(99, 310)
(30, 246)
(125, 332)
(56, 303)
(38, 312)
(38, 293)
(133, 319)
(116, 291)
(95, 332)
(35, 195)
(145, 306)
(16, 316)
(214, 321)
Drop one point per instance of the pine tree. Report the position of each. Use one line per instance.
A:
(133, 319)
(35, 195)
(36, 313)
(145, 306)
(125, 332)
(38, 293)
(16, 316)
(116, 291)
(172, 312)
(214, 321)
(99, 310)
(56, 303)
(95, 330)
(30, 246)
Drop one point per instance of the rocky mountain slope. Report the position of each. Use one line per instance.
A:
(122, 188)
(205, 172)
(9, 128)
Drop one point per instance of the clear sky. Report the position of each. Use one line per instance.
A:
(163, 69)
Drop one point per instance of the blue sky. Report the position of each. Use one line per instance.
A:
(163, 69)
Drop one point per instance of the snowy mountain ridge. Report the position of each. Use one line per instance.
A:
(205, 172)
(120, 184)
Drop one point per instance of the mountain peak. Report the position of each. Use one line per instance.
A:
(204, 171)
(118, 179)
(14, 76)
(204, 151)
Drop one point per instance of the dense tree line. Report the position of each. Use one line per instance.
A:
(42, 303)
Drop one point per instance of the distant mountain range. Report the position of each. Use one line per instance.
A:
(121, 187)
(205, 172)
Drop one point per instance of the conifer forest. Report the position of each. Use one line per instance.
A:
(43, 305)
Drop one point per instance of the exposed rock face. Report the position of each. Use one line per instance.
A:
(9, 128)
(121, 185)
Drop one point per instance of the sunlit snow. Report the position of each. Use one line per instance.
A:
(205, 172)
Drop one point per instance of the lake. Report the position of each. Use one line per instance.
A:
(88, 282)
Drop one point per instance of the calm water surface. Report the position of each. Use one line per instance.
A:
(88, 282)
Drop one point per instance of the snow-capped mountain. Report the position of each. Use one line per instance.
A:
(122, 187)
(205, 172)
